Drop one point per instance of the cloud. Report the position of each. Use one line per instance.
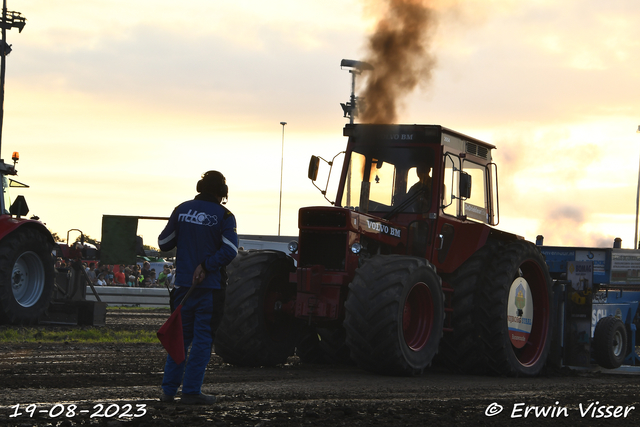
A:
(142, 95)
(229, 61)
(536, 61)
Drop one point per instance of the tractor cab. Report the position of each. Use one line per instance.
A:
(392, 170)
(388, 177)
(430, 183)
(18, 207)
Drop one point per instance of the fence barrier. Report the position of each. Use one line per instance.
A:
(135, 297)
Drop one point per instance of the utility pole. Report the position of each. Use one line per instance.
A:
(636, 244)
(281, 169)
(9, 20)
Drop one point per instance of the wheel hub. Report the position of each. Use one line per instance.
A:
(519, 312)
(417, 317)
(27, 279)
(18, 279)
(617, 344)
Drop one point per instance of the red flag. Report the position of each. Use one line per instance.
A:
(170, 335)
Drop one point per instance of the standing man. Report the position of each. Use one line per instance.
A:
(205, 234)
(146, 271)
(118, 275)
(91, 273)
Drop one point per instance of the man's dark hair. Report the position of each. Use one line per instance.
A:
(214, 183)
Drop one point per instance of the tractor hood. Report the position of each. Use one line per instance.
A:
(332, 236)
(335, 218)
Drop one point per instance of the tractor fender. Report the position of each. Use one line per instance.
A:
(9, 224)
(503, 236)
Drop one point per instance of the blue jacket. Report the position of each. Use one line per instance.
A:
(205, 233)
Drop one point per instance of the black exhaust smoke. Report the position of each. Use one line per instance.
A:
(399, 51)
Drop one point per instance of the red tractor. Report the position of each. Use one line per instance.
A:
(26, 262)
(404, 266)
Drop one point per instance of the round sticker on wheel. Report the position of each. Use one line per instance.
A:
(519, 312)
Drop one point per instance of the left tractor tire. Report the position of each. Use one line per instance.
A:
(394, 315)
(26, 276)
(514, 311)
(254, 330)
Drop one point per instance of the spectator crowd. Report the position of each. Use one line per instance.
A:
(135, 276)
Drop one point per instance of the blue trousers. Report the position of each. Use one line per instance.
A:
(201, 315)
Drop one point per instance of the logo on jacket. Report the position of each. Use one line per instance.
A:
(199, 218)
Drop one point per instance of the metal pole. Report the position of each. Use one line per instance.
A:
(281, 169)
(354, 111)
(636, 244)
(2, 66)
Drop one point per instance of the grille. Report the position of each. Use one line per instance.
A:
(477, 150)
(326, 249)
(323, 219)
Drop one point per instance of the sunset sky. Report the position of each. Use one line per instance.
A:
(118, 107)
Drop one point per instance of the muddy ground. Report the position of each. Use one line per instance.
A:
(69, 384)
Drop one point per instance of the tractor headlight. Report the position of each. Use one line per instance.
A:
(356, 248)
(293, 246)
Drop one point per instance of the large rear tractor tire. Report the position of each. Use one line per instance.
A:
(394, 315)
(254, 330)
(610, 342)
(463, 350)
(26, 276)
(514, 311)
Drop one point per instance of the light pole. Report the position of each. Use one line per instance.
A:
(9, 20)
(281, 169)
(636, 245)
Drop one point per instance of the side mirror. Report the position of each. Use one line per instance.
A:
(19, 207)
(314, 165)
(465, 185)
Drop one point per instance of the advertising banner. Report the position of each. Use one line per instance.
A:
(625, 267)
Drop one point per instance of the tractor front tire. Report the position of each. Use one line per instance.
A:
(26, 276)
(254, 331)
(610, 342)
(394, 315)
(514, 311)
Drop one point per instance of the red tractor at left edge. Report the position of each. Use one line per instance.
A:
(26, 261)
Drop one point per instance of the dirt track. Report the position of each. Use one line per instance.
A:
(117, 382)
